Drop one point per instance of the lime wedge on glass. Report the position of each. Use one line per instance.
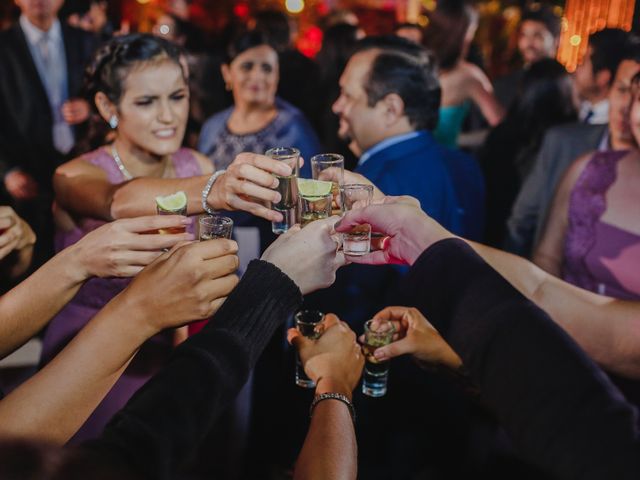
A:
(313, 189)
(175, 202)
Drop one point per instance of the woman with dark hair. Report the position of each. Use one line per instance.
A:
(258, 120)
(452, 26)
(592, 235)
(545, 99)
(139, 88)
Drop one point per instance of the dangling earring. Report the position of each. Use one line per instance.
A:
(113, 122)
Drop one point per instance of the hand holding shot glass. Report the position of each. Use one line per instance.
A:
(329, 167)
(287, 188)
(315, 200)
(358, 240)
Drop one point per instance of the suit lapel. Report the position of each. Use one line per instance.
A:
(27, 64)
(71, 50)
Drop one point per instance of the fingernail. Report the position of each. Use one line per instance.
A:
(379, 354)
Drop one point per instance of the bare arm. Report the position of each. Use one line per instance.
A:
(83, 189)
(549, 253)
(188, 283)
(606, 328)
(16, 243)
(115, 249)
(481, 92)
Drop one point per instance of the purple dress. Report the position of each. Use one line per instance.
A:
(95, 294)
(598, 256)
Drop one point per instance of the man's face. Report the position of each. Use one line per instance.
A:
(359, 121)
(38, 10)
(620, 104)
(535, 42)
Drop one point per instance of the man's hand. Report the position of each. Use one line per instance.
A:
(20, 185)
(75, 111)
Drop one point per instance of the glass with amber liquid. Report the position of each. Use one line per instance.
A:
(287, 188)
(377, 333)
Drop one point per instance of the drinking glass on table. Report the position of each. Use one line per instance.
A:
(287, 187)
(358, 240)
(377, 333)
(215, 226)
(309, 324)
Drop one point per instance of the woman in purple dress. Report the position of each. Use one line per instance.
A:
(139, 88)
(592, 236)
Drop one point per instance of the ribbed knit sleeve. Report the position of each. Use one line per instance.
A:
(560, 410)
(166, 419)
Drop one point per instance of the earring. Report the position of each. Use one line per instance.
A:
(113, 122)
(227, 87)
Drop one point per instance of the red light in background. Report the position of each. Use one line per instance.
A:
(241, 10)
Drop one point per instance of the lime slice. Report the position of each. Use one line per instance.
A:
(313, 189)
(172, 203)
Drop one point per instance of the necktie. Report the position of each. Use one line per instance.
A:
(54, 82)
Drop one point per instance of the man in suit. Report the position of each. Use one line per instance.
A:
(41, 68)
(561, 146)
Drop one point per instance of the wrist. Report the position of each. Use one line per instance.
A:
(333, 385)
(136, 312)
(211, 193)
(76, 266)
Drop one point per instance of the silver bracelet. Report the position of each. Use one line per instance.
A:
(207, 190)
(333, 396)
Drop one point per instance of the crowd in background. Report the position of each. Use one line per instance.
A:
(98, 121)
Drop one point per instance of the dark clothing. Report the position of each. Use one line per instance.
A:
(299, 83)
(26, 122)
(559, 409)
(160, 426)
(506, 87)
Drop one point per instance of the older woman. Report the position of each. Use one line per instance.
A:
(258, 120)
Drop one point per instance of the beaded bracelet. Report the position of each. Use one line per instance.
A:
(333, 396)
(207, 190)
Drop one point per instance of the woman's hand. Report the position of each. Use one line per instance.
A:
(408, 230)
(16, 234)
(124, 247)
(188, 283)
(248, 185)
(417, 337)
(308, 256)
(335, 360)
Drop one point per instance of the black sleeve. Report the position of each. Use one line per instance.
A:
(560, 410)
(166, 419)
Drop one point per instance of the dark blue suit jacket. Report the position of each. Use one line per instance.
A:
(417, 167)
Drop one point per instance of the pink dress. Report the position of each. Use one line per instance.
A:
(95, 294)
(599, 256)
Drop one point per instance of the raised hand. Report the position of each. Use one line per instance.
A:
(188, 283)
(308, 256)
(248, 183)
(334, 358)
(408, 229)
(15, 233)
(122, 248)
(417, 337)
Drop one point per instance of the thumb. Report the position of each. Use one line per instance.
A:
(395, 349)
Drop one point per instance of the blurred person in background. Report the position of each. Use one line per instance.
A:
(538, 37)
(448, 36)
(43, 61)
(410, 31)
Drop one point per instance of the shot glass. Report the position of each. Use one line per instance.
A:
(377, 333)
(324, 161)
(171, 230)
(309, 324)
(215, 226)
(358, 240)
(287, 187)
(314, 208)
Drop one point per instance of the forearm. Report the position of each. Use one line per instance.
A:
(53, 404)
(330, 449)
(607, 329)
(138, 197)
(165, 421)
(29, 306)
(561, 412)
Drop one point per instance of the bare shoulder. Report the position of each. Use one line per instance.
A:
(205, 162)
(475, 77)
(575, 170)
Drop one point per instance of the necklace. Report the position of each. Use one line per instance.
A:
(121, 167)
(125, 173)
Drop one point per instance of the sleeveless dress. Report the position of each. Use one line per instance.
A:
(450, 121)
(598, 256)
(95, 294)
